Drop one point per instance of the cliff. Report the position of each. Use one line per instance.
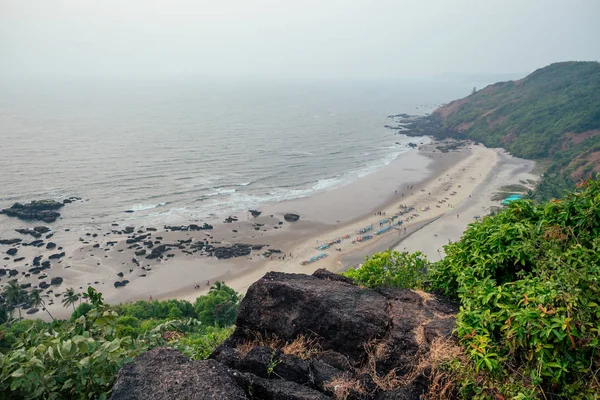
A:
(552, 114)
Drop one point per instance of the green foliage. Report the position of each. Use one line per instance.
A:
(528, 283)
(79, 358)
(81, 310)
(391, 268)
(219, 306)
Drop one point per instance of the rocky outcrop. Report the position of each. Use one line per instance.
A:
(307, 337)
(174, 376)
(40, 210)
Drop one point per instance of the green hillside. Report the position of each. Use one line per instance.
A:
(553, 113)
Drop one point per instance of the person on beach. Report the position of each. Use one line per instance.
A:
(150, 298)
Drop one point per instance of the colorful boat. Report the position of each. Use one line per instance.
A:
(366, 229)
(383, 230)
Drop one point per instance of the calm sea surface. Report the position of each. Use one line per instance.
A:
(174, 151)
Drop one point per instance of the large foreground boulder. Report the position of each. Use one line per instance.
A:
(164, 373)
(311, 337)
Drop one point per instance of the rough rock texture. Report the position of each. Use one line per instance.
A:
(291, 217)
(42, 210)
(307, 337)
(164, 373)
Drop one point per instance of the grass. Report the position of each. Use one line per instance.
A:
(303, 347)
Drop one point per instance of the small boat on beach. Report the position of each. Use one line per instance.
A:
(366, 229)
(383, 230)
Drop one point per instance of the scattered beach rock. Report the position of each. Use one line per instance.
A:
(56, 256)
(19, 259)
(56, 281)
(255, 213)
(41, 210)
(32, 310)
(121, 283)
(10, 241)
(291, 217)
(43, 285)
(191, 227)
(50, 245)
(27, 231)
(12, 251)
(41, 229)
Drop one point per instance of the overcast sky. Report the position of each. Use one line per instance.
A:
(305, 39)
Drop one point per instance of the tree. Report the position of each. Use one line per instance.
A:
(15, 296)
(36, 301)
(70, 298)
(219, 306)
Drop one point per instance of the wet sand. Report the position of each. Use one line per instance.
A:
(441, 182)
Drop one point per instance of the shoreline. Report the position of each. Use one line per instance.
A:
(324, 216)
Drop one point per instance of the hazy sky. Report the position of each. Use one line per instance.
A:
(307, 39)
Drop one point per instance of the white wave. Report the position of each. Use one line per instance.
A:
(220, 192)
(143, 207)
(242, 184)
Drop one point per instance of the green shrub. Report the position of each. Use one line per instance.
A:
(219, 306)
(391, 268)
(79, 358)
(528, 280)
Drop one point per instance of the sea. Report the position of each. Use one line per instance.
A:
(170, 151)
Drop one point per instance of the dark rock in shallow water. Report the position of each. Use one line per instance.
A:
(291, 217)
(11, 252)
(10, 241)
(50, 245)
(56, 281)
(41, 210)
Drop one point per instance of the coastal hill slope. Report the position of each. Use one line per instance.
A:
(553, 113)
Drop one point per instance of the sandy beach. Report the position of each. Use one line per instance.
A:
(443, 191)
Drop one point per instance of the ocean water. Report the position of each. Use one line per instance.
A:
(174, 150)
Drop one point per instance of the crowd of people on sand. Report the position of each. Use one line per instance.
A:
(401, 230)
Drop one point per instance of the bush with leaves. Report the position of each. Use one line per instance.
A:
(391, 268)
(528, 280)
(219, 307)
(79, 359)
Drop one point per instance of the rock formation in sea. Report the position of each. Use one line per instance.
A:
(306, 337)
(37, 210)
